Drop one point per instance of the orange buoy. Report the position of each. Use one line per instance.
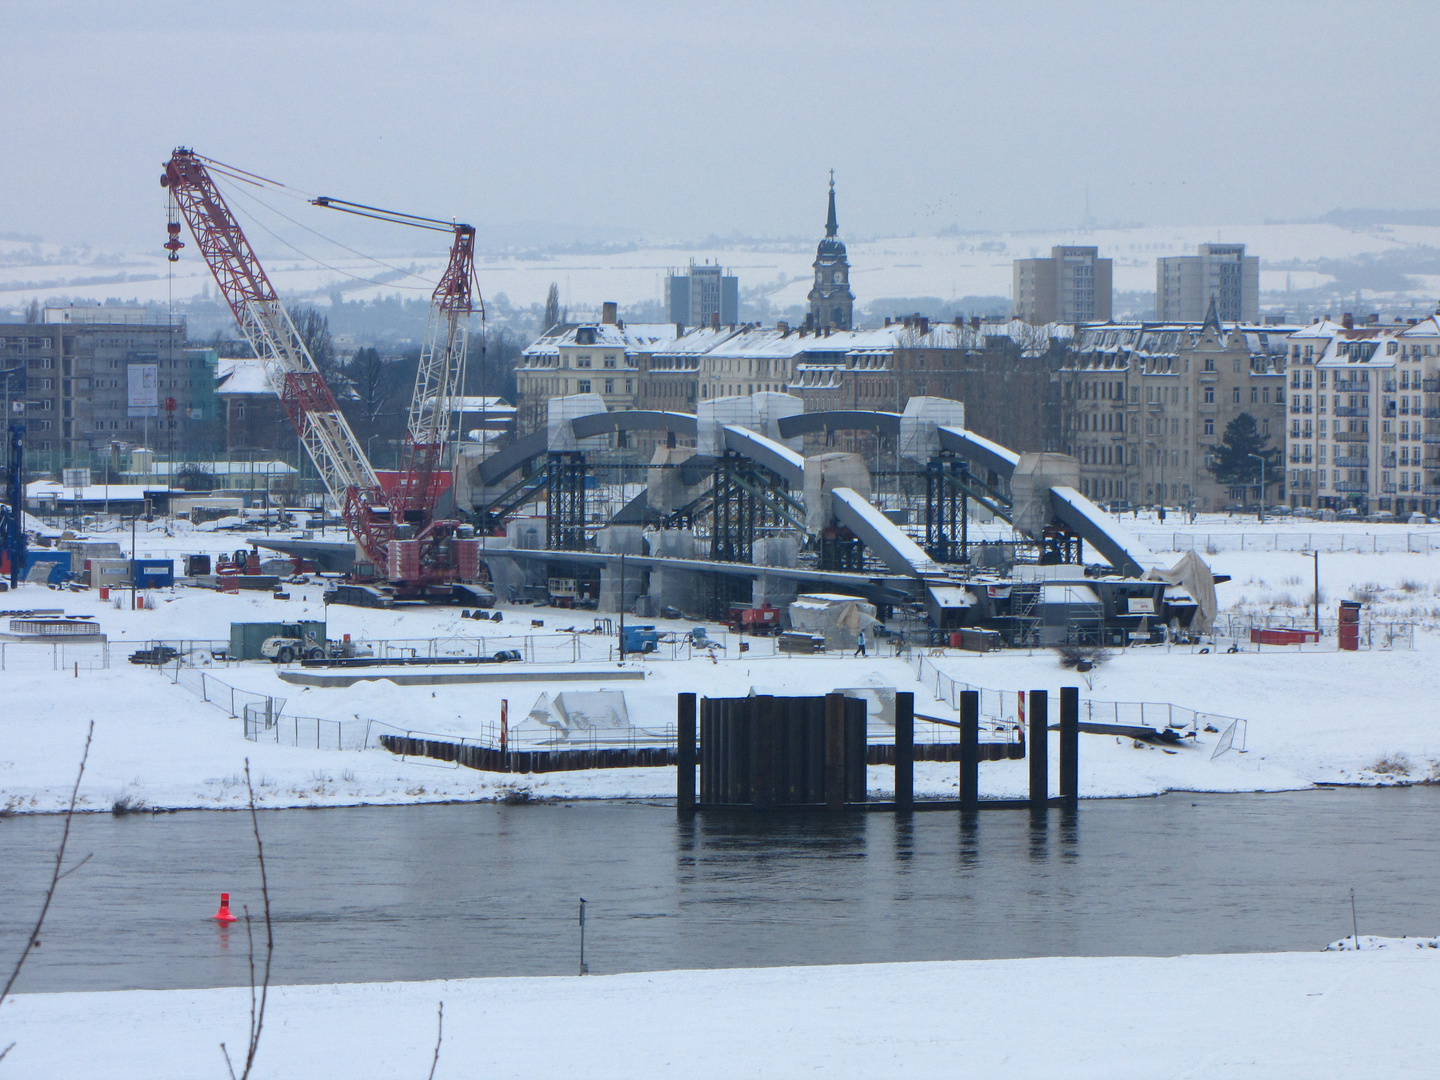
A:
(224, 915)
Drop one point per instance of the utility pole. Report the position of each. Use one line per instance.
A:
(622, 657)
(1316, 556)
(584, 967)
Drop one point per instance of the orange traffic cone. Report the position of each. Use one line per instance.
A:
(224, 915)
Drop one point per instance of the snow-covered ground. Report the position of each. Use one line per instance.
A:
(1314, 716)
(1319, 1015)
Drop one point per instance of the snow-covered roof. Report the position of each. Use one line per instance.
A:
(632, 337)
(241, 375)
(46, 490)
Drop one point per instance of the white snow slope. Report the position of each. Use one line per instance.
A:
(1320, 1016)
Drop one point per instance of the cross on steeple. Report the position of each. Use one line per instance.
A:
(832, 228)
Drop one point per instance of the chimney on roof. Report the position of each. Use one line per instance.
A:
(887, 320)
(1373, 319)
(1412, 322)
(974, 322)
(608, 311)
(923, 323)
(959, 321)
(714, 320)
(679, 329)
(1347, 320)
(783, 327)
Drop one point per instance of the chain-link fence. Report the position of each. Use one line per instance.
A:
(53, 655)
(1417, 543)
(1234, 631)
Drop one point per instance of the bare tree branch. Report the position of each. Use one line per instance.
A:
(439, 1035)
(55, 877)
(257, 1009)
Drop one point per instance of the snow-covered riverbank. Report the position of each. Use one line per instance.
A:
(1314, 717)
(1319, 1016)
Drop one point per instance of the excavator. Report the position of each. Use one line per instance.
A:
(405, 549)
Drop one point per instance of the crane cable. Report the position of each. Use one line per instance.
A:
(254, 181)
(320, 262)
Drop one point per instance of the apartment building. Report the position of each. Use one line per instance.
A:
(1144, 403)
(1186, 285)
(1074, 285)
(702, 296)
(1363, 407)
(589, 358)
(97, 378)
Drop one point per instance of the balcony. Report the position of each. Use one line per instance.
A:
(1388, 489)
(1351, 410)
(1348, 487)
(1432, 414)
(1352, 462)
(1431, 438)
(1357, 436)
(1431, 386)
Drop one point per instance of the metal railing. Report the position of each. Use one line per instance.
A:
(1006, 706)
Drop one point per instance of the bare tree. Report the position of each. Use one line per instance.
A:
(314, 331)
(552, 307)
(257, 1005)
(439, 1035)
(373, 379)
(32, 311)
(57, 875)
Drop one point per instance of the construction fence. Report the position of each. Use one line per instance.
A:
(54, 655)
(1417, 543)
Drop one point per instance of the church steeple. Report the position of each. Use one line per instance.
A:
(832, 304)
(831, 226)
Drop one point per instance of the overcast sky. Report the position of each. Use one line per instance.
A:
(541, 121)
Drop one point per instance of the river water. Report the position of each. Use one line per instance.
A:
(463, 890)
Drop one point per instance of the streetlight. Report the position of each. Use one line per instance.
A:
(1161, 451)
(1260, 458)
(1316, 556)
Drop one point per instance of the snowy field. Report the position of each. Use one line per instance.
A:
(1313, 715)
(975, 264)
(1320, 1016)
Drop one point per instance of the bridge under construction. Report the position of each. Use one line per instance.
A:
(729, 512)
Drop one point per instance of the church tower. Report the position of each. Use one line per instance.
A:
(832, 304)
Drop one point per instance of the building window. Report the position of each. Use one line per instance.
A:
(1209, 395)
(1209, 426)
(582, 386)
(1236, 395)
(609, 386)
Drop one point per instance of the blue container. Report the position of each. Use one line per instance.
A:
(154, 573)
(59, 562)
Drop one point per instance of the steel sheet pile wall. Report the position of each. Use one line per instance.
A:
(765, 751)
